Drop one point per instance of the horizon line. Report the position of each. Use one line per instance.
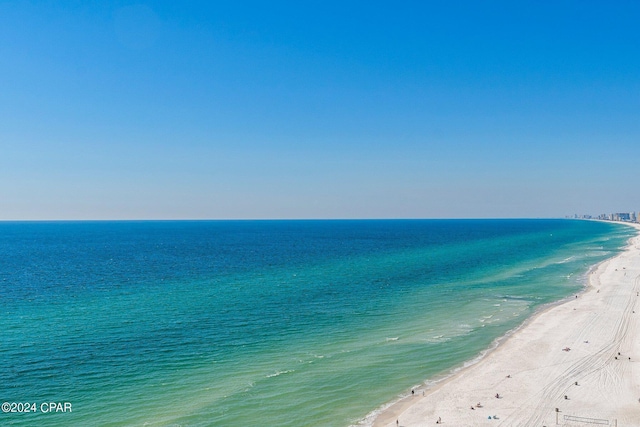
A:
(273, 219)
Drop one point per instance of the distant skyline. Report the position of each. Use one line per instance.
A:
(225, 110)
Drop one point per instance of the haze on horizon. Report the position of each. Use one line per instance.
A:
(409, 109)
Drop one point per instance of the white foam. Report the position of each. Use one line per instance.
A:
(278, 373)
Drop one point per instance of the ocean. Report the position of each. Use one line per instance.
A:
(246, 323)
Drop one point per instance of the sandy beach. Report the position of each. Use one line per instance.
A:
(573, 364)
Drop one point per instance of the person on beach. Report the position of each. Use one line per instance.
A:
(439, 421)
(497, 396)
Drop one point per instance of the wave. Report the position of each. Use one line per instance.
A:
(278, 373)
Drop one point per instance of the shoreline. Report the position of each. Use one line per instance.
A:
(533, 373)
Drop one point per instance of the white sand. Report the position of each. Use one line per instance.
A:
(602, 322)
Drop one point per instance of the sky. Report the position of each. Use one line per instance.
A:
(318, 109)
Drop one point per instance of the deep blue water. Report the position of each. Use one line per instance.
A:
(199, 323)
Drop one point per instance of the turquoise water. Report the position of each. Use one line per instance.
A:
(313, 323)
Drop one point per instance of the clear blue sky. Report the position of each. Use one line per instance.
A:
(318, 109)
